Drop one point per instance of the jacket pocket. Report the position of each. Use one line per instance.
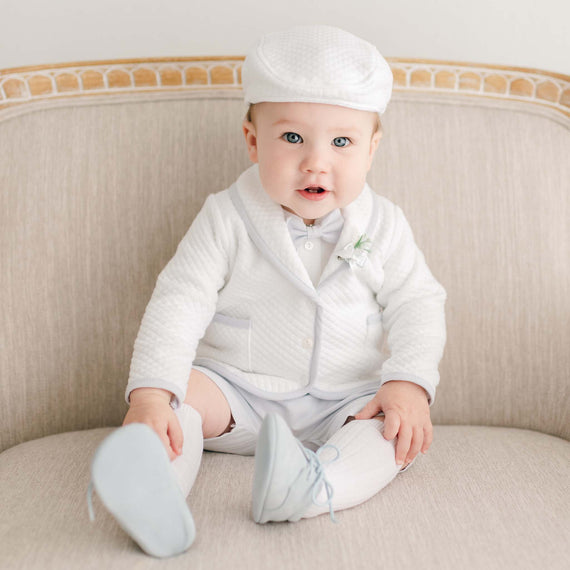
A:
(232, 321)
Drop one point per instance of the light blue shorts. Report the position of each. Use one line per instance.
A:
(312, 420)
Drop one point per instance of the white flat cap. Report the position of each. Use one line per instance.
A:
(317, 64)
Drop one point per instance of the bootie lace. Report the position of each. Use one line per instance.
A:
(316, 465)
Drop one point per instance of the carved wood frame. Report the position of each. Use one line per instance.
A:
(24, 85)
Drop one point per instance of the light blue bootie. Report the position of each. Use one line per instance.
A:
(132, 475)
(288, 476)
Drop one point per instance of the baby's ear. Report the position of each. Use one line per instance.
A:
(374, 141)
(250, 139)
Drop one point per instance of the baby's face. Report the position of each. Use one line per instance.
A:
(312, 157)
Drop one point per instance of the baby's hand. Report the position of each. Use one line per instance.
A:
(151, 406)
(406, 410)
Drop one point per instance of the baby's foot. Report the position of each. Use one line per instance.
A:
(288, 477)
(132, 475)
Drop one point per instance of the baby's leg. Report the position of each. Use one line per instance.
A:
(205, 413)
(137, 483)
(366, 464)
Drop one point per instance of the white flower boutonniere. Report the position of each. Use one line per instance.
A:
(357, 253)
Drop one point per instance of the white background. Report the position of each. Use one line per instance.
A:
(523, 33)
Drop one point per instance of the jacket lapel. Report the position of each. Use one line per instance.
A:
(265, 222)
(267, 228)
(357, 217)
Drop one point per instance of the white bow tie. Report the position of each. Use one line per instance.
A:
(327, 228)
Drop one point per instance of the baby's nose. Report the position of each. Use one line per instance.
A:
(315, 160)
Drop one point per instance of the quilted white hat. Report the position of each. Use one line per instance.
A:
(317, 64)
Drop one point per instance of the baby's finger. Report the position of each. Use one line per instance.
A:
(162, 431)
(428, 437)
(166, 442)
(417, 441)
(175, 434)
(369, 411)
(391, 425)
(403, 444)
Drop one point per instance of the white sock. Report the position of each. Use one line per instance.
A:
(186, 465)
(366, 464)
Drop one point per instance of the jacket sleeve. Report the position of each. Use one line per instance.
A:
(413, 315)
(181, 307)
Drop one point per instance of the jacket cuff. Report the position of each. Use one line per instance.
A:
(178, 396)
(405, 376)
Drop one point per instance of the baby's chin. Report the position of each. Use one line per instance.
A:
(309, 216)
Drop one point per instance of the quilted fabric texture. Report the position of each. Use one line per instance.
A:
(317, 64)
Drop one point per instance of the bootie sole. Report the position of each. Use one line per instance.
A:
(132, 476)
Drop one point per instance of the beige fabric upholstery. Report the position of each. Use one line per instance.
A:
(487, 191)
(95, 198)
(95, 194)
(480, 497)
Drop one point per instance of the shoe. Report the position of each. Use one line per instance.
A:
(288, 476)
(132, 475)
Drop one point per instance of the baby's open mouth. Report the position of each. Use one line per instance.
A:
(314, 193)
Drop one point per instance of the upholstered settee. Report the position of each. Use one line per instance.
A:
(103, 167)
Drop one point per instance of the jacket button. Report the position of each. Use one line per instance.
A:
(309, 245)
(308, 343)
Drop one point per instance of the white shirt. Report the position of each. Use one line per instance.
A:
(314, 251)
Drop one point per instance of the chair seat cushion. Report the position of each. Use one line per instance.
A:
(482, 497)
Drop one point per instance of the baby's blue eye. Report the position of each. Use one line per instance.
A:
(293, 138)
(341, 141)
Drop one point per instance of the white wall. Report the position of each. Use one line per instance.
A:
(523, 33)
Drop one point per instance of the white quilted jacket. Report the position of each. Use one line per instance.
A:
(237, 299)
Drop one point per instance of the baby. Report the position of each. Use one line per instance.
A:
(297, 320)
